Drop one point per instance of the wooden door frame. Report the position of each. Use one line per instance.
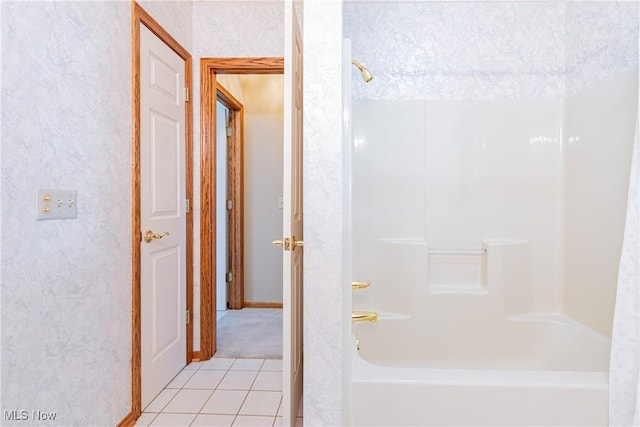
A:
(235, 193)
(209, 89)
(141, 17)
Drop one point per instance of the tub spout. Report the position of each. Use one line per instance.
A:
(364, 316)
(360, 285)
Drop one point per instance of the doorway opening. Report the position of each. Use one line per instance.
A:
(292, 248)
(249, 184)
(212, 91)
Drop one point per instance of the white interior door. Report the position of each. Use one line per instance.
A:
(163, 216)
(292, 218)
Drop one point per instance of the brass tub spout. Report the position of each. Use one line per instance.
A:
(360, 285)
(364, 316)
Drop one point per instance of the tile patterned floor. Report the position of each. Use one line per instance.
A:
(221, 393)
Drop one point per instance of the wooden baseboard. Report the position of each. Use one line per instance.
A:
(127, 421)
(252, 304)
(197, 355)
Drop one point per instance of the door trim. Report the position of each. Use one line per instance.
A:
(257, 304)
(209, 87)
(141, 17)
(235, 193)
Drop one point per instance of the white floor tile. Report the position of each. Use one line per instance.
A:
(180, 380)
(188, 401)
(247, 364)
(217, 363)
(279, 422)
(268, 381)
(193, 365)
(237, 380)
(174, 420)
(205, 379)
(252, 421)
(145, 419)
(272, 365)
(224, 402)
(261, 403)
(161, 400)
(208, 420)
(280, 414)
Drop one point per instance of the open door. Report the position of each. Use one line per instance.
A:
(292, 218)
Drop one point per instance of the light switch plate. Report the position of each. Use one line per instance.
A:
(56, 203)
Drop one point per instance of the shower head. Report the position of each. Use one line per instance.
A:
(364, 71)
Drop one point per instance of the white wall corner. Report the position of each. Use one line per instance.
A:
(323, 218)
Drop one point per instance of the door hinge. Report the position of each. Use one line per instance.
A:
(188, 205)
(229, 131)
(229, 277)
(188, 316)
(186, 95)
(229, 205)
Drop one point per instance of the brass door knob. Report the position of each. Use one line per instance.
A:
(289, 243)
(295, 243)
(150, 235)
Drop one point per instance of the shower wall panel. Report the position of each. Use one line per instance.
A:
(522, 187)
(601, 104)
(597, 157)
(454, 144)
(389, 186)
(437, 178)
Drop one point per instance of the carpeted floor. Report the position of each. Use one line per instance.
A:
(250, 333)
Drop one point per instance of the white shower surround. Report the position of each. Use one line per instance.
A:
(593, 48)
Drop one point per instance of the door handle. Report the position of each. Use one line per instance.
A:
(293, 243)
(289, 243)
(150, 235)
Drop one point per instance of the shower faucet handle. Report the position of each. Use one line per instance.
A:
(360, 285)
(364, 316)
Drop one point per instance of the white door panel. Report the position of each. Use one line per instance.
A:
(163, 192)
(292, 219)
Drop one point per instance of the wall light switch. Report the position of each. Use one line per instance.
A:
(56, 204)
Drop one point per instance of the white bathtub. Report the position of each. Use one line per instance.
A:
(535, 372)
(477, 358)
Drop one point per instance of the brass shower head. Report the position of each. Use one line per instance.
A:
(364, 71)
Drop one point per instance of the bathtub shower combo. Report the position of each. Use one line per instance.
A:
(489, 165)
